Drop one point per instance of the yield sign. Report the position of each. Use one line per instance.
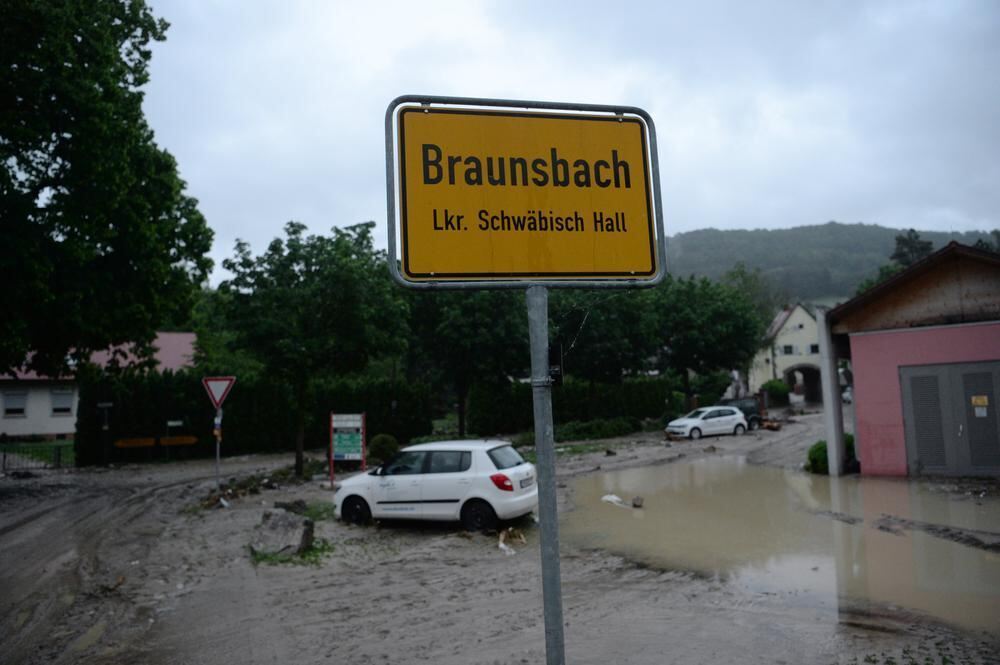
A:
(218, 388)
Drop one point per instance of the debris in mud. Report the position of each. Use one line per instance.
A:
(667, 444)
(235, 489)
(613, 498)
(609, 453)
(637, 501)
(512, 535)
(21, 474)
(983, 540)
(107, 589)
(298, 506)
(282, 533)
(840, 517)
(710, 449)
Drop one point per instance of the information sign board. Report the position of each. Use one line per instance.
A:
(347, 436)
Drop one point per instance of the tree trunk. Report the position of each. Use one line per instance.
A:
(686, 378)
(300, 430)
(462, 392)
(300, 438)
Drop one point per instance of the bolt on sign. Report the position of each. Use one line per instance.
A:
(521, 195)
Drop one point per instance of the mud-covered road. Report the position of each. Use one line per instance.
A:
(120, 566)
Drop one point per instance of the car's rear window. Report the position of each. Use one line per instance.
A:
(450, 461)
(505, 457)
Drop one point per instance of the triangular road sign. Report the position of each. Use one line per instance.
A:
(218, 388)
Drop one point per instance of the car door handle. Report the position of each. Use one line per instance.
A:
(960, 429)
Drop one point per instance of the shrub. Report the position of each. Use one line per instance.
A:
(817, 461)
(596, 429)
(381, 448)
(507, 407)
(777, 392)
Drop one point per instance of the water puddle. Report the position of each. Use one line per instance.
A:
(816, 542)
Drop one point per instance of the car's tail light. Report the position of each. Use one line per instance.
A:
(502, 482)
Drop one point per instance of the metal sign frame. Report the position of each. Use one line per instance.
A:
(391, 173)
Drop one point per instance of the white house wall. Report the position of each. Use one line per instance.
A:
(802, 335)
(38, 418)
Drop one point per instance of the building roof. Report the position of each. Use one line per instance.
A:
(973, 301)
(173, 351)
(782, 318)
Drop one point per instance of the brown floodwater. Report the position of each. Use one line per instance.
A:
(880, 544)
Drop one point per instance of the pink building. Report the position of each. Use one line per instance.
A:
(924, 347)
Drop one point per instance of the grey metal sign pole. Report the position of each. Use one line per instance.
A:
(541, 387)
(218, 443)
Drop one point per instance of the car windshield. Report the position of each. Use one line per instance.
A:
(697, 413)
(505, 457)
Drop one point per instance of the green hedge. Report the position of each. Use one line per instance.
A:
(258, 415)
(596, 429)
(503, 409)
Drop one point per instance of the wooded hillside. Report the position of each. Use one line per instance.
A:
(808, 262)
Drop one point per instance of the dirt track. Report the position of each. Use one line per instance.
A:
(110, 567)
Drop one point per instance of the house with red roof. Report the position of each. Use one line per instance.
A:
(32, 405)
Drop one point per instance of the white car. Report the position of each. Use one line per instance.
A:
(709, 420)
(475, 482)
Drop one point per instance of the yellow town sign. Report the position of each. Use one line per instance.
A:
(524, 196)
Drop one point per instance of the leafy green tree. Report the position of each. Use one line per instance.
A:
(910, 248)
(99, 239)
(464, 337)
(217, 349)
(884, 273)
(313, 306)
(604, 334)
(766, 297)
(703, 327)
(990, 245)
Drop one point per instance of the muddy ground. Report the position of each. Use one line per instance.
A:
(121, 566)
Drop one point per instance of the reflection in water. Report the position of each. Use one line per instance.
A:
(769, 529)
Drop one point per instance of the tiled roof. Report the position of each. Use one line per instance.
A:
(174, 351)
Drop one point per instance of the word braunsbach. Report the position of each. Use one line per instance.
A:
(513, 171)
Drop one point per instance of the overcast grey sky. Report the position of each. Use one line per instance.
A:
(769, 114)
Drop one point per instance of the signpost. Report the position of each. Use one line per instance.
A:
(530, 195)
(347, 439)
(218, 388)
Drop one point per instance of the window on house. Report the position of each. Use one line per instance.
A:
(62, 401)
(814, 348)
(788, 349)
(14, 403)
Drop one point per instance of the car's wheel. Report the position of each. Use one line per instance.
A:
(695, 433)
(753, 424)
(355, 511)
(739, 430)
(478, 516)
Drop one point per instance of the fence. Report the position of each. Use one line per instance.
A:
(45, 455)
